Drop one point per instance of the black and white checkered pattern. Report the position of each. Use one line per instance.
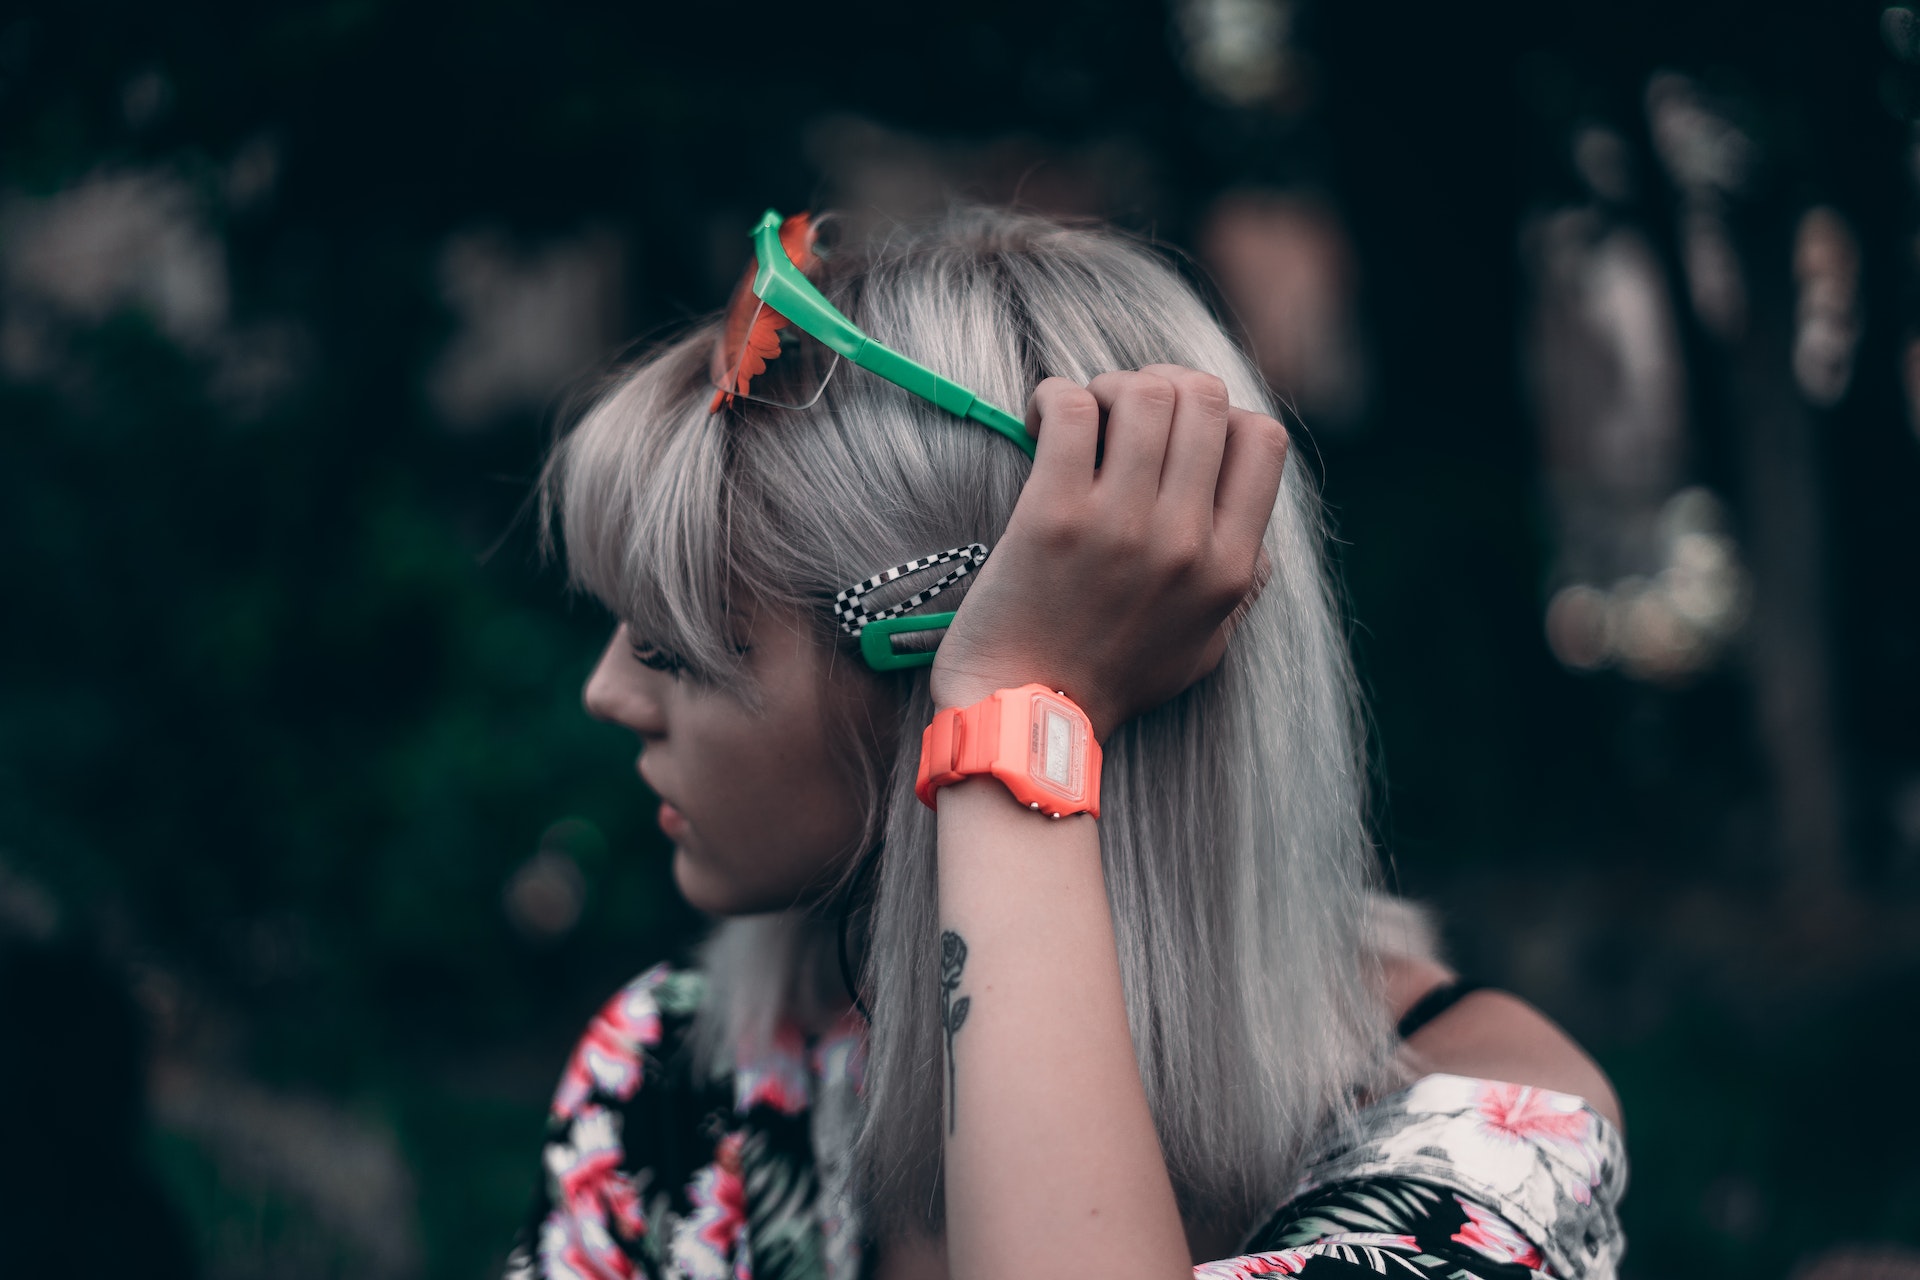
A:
(850, 607)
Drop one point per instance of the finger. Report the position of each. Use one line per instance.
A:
(1064, 420)
(1250, 469)
(1139, 412)
(1211, 655)
(1222, 637)
(1262, 575)
(1197, 438)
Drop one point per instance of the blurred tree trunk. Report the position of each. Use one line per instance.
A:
(1778, 461)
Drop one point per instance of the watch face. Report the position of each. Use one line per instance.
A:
(1057, 748)
(1056, 755)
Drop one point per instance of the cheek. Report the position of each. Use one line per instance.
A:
(775, 824)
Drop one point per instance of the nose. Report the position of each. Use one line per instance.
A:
(620, 692)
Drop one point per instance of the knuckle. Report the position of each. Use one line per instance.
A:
(1056, 526)
(1130, 540)
(1261, 572)
(1066, 522)
(1263, 438)
(1153, 389)
(1229, 568)
(1139, 385)
(1185, 552)
(1187, 536)
(1079, 400)
(1060, 395)
(1239, 581)
(1209, 388)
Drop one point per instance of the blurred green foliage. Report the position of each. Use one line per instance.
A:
(287, 699)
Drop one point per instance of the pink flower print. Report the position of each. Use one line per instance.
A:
(1350, 1246)
(776, 1077)
(1490, 1234)
(1558, 1122)
(703, 1239)
(580, 1249)
(1253, 1266)
(586, 1169)
(1524, 1112)
(608, 1056)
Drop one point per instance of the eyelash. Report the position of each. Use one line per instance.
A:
(655, 658)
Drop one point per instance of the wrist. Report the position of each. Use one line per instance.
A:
(963, 691)
(953, 689)
(1036, 741)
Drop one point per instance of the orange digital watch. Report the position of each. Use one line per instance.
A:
(1031, 738)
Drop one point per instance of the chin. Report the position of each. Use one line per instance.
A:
(718, 895)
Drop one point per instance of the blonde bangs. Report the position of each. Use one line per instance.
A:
(638, 492)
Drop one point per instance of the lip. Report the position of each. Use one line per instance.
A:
(673, 823)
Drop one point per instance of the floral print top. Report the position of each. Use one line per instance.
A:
(652, 1172)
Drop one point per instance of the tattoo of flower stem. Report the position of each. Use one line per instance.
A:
(953, 958)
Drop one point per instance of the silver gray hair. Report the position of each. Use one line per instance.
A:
(1233, 828)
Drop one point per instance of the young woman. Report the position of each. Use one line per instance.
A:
(942, 1031)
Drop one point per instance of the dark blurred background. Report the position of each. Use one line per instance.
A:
(1600, 321)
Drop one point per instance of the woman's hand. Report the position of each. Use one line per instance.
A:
(1120, 582)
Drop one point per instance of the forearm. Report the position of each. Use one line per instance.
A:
(1053, 1168)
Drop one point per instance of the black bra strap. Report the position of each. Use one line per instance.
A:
(1434, 1003)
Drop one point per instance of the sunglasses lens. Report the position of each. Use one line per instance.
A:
(762, 356)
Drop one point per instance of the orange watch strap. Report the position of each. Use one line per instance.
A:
(964, 742)
(961, 742)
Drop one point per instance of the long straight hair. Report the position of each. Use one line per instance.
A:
(1233, 833)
